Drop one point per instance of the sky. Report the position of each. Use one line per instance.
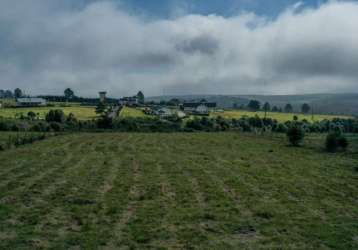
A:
(179, 47)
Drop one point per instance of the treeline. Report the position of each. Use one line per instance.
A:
(76, 99)
(255, 105)
(57, 121)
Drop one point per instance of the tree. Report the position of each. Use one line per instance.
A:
(295, 135)
(69, 94)
(17, 93)
(2, 93)
(288, 108)
(254, 105)
(140, 96)
(8, 94)
(56, 115)
(101, 108)
(274, 109)
(305, 108)
(174, 102)
(335, 140)
(267, 108)
(31, 115)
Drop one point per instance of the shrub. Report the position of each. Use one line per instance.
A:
(55, 126)
(343, 142)
(15, 128)
(4, 126)
(332, 142)
(56, 115)
(281, 128)
(295, 135)
(335, 141)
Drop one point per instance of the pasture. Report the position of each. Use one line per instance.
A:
(80, 112)
(178, 191)
(281, 117)
(127, 112)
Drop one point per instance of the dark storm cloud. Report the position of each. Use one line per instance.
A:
(47, 45)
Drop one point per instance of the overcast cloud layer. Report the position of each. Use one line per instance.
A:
(45, 46)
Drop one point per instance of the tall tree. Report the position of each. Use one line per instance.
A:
(69, 94)
(2, 93)
(267, 108)
(305, 108)
(140, 96)
(288, 108)
(275, 109)
(101, 108)
(254, 105)
(17, 93)
(8, 94)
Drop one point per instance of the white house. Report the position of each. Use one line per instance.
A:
(163, 112)
(199, 108)
(30, 102)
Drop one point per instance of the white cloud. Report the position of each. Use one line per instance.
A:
(47, 47)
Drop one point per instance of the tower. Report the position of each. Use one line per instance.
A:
(102, 96)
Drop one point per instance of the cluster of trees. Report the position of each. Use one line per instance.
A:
(255, 105)
(17, 93)
(335, 140)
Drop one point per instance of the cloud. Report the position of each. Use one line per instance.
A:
(49, 45)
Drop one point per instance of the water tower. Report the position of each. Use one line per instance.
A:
(102, 96)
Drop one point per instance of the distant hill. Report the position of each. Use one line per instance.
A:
(346, 104)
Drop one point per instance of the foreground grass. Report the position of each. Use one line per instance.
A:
(281, 117)
(208, 191)
(81, 112)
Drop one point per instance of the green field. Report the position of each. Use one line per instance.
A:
(80, 112)
(178, 191)
(281, 117)
(132, 112)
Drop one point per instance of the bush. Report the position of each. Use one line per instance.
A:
(295, 135)
(343, 142)
(335, 141)
(56, 115)
(332, 142)
(55, 126)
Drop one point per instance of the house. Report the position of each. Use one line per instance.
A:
(129, 101)
(198, 108)
(30, 102)
(163, 112)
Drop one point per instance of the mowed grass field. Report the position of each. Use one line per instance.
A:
(127, 112)
(281, 117)
(80, 112)
(178, 191)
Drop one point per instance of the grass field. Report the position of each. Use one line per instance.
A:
(81, 112)
(132, 112)
(177, 191)
(281, 117)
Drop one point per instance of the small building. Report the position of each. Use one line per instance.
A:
(163, 112)
(102, 96)
(181, 114)
(198, 108)
(129, 101)
(30, 102)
